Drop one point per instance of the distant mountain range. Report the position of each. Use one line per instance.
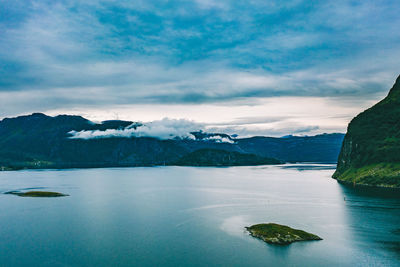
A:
(371, 149)
(41, 141)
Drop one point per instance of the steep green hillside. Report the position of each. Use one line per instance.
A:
(370, 152)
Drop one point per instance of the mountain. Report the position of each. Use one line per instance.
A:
(370, 154)
(319, 148)
(41, 141)
(216, 157)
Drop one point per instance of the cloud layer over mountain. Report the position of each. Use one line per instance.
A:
(162, 129)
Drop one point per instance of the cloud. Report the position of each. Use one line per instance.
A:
(162, 129)
(102, 54)
(275, 131)
(252, 120)
(219, 139)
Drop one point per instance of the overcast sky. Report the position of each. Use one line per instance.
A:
(247, 67)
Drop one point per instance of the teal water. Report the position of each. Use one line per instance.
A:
(184, 216)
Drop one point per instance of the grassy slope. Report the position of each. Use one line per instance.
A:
(380, 174)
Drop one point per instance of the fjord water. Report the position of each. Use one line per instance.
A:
(180, 216)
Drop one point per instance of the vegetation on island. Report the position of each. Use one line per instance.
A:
(277, 234)
(370, 152)
(37, 194)
(215, 157)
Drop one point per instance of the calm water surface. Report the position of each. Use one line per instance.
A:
(183, 216)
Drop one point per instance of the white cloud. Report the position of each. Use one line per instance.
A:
(219, 139)
(162, 129)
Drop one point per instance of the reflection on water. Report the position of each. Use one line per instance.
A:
(374, 215)
(311, 166)
(372, 192)
(179, 216)
(235, 225)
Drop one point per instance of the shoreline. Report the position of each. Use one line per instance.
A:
(10, 169)
(370, 188)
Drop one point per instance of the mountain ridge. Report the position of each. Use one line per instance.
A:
(41, 141)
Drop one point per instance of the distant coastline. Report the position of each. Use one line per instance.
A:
(38, 141)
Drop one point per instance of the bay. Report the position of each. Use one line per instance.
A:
(187, 216)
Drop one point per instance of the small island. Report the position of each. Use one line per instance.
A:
(277, 234)
(37, 194)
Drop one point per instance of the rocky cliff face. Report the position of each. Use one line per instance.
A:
(370, 152)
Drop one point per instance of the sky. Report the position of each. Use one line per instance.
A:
(254, 67)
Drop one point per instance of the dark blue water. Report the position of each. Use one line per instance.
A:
(180, 216)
